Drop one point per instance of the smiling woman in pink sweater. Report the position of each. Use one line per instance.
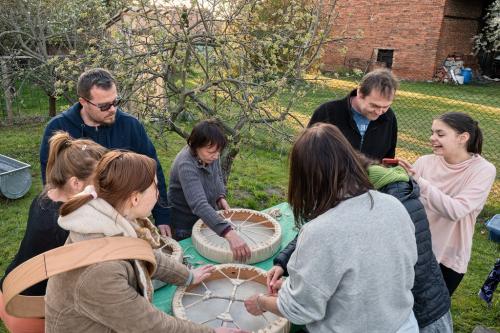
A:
(454, 183)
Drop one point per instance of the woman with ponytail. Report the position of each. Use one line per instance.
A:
(115, 296)
(70, 166)
(454, 184)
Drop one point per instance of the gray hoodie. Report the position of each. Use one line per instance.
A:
(352, 270)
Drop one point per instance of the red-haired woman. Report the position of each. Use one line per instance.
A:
(116, 295)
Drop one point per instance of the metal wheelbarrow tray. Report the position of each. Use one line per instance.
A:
(15, 177)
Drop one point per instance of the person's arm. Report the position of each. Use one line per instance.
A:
(470, 198)
(315, 273)
(223, 204)
(196, 199)
(258, 304)
(284, 256)
(104, 295)
(170, 271)
(279, 270)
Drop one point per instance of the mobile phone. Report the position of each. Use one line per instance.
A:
(391, 162)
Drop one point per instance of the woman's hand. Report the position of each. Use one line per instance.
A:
(201, 273)
(409, 169)
(223, 204)
(273, 279)
(165, 230)
(240, 249)
(253, 306)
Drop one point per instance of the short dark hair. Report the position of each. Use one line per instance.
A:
(95, 77)
(207, 133)
(324, 171)
(382, 80)
(461, 123)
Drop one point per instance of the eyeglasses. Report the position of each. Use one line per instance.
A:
(106, 106)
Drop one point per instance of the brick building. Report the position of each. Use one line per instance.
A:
(411, 37)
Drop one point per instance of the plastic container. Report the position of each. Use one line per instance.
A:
(467, 74)
(493, 225)
(15, 177)
(460, 79)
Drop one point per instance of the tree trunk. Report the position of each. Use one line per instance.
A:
(7, 89)
(52, 106)
(227, 160)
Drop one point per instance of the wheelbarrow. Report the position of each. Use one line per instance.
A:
(15, 177)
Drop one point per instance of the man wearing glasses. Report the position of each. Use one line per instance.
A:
(97, 116)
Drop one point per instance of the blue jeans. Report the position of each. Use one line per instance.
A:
(410, 325)
(442, 325)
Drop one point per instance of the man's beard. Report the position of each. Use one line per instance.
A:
(108, 120)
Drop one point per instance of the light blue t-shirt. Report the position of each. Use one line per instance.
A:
(361, 122)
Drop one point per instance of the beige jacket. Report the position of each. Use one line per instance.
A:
(109, 297)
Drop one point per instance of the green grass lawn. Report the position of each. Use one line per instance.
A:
(29, 101)
(260, 175)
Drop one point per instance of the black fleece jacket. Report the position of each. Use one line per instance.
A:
(380, 138)
(42, 234)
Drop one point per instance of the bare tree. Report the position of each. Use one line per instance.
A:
(42, 32)
(222, 59)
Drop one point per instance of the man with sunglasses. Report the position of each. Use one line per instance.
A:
(97, 116)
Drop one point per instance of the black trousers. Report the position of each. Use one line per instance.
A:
(451, 278)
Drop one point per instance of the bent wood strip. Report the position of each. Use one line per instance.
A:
(64, 259)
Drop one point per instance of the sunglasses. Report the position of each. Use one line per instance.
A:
(106, 106)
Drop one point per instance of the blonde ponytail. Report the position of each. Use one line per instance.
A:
(70, 157)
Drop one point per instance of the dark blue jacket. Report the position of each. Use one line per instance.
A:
(431, 297)
(126, 133)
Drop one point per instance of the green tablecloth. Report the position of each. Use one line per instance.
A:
(162, 298)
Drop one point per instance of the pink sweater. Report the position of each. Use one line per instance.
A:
(453, 196)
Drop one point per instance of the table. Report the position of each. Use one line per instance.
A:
(162, 297)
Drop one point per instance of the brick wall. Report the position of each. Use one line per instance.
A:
(460, 24)
(417, 31)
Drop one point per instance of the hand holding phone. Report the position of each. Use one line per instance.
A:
(391, 162)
